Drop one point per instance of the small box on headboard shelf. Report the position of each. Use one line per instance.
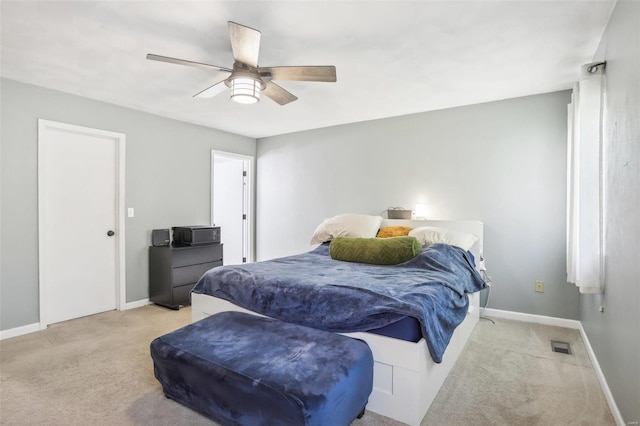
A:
(398, 213)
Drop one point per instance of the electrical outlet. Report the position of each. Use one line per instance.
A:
(601, 309)
(539, 286)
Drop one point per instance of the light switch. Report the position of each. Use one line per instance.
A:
(130, 212)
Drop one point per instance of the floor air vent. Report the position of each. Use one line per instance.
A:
(562, 347)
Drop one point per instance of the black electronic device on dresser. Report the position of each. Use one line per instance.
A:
(195, 235)
(174, 271)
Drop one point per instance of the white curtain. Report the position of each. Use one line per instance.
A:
(585, 256)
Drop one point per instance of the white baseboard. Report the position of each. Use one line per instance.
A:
(32, 328)
(538, 319)
(136, 304)
(617, 416)
(19, 331)
(566, 323)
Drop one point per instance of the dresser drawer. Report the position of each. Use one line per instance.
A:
(174, 270)
(184, 256)
(182, 295)
(190, 274)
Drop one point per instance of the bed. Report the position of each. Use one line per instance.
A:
(406, 377)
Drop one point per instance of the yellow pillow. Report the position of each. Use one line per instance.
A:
(393, 231)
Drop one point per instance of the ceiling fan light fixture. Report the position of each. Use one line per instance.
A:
(247, 79)
(245, 90)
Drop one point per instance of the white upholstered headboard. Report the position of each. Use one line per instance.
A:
(471, 226)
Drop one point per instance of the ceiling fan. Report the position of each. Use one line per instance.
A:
(247, 80)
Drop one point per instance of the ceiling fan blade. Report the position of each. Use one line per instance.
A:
(278, 94)
(207, 67)
(212, 91)
(309, 73)
(245, 43)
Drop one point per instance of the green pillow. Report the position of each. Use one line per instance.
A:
(377, 251)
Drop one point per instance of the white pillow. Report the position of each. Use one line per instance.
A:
(431, 235)
(347, 225)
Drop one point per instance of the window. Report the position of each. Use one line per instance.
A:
(585, 254)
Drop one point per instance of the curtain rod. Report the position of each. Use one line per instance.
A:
(593, 68)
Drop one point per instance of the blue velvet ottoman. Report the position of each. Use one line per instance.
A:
(241, 369)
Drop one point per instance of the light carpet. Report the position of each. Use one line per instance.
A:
(97, 370)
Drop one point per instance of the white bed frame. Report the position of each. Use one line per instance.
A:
(405, 378)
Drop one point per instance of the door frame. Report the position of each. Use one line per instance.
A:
(120, 141)
(250, 195)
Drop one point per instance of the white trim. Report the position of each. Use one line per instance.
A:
(538, 319)
(251, 197)
(120, 140)
(121, 270)
(32, 328)
(615, 412)
(19, 331)
(136, 304)
(566, 323)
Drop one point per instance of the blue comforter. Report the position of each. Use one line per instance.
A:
(314, 290)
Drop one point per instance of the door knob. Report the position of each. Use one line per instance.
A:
(111, 233)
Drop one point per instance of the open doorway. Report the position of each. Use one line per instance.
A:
(231, 209)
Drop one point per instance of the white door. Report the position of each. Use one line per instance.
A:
(231, 199)
(78, 194)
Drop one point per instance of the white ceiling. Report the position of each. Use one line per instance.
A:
(392, 57)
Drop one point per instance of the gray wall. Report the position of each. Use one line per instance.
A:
(615, 334)
(502, 162)
(167, 183)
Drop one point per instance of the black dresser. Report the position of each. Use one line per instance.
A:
(174, 270)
